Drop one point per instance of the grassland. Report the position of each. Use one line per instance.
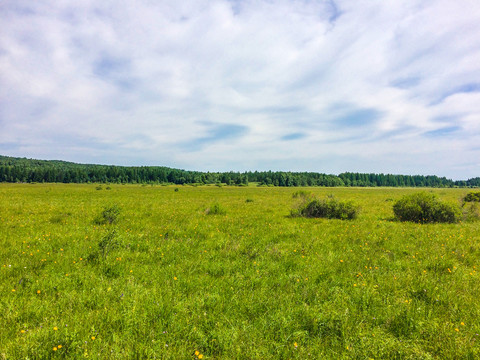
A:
(170, 280)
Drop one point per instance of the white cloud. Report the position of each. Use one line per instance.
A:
(134, 83)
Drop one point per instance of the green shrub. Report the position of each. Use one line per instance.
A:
(329, 208)
(107, 243)
(471, 211)
(302, 194)
(215, 209)
(425, 208)
(472, 197)
(109, 215)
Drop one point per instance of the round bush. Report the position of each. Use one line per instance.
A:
(330, 208)
(472, 197)
(425, 208)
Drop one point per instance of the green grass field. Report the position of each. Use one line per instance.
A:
(170, 281)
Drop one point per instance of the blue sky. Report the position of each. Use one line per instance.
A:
(219, 85)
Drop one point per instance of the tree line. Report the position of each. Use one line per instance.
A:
(14, 169)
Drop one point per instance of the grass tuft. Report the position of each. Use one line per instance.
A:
(109, 215)
(215, 209)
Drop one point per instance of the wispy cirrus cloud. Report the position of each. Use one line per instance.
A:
(446, 131)
(294, 136)
(216, 133)
(296, 85)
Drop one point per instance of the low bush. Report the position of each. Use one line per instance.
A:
(215, 209)
(109, 215)
(302, 194)
(472, 197)
(329, 208)
(107, 243)
(471, 211)
(425, 208)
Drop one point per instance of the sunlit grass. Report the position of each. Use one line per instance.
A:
(167, 280)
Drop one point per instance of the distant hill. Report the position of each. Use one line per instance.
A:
(13, 169)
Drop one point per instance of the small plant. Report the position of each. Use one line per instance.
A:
(472, 197)
(215, 209)
(425, 208)
(471, 211)
(109, 215)
(329, 208)
(107, 243)
(60, 218)
(176, 190)
(302, 194)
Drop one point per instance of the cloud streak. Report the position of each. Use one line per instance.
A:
(325, 86)
(216, 133)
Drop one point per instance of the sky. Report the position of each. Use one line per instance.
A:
(287, 85)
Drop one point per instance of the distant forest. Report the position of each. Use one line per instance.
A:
(24, 170)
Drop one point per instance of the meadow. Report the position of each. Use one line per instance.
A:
(172, 279)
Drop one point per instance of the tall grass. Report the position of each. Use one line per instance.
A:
(168, 281)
